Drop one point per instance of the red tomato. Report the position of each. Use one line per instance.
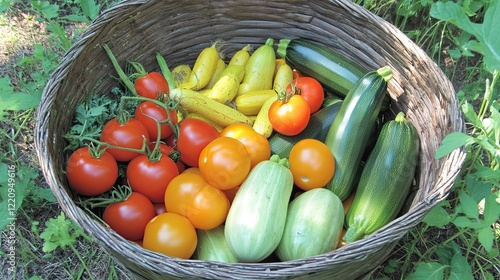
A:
(172, 235)
(194, 135)
(151, 178)
(181, 191)
(88, 175)
(312, 164)
(290, 117)
(310, 89)
(131, 134)
(167, 150)
(195, 170)
(148, 113)
(257, 145)
(231, 193)
(130, 217)
(164, 148)
(160, 208)
(225, 163)
(296, 74)
(209, 208)
(151, 85)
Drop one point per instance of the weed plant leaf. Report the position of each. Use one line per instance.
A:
(437, 217)
(464, 222)
(487, 173)
(477, 187)
(59, 232)
(486, 33)
(452, 142)
(460, 268)
(485, 237)
(446, 251)
(494, 123)
(90, 8)
(491, 212)
(487, 144)
(470, 115)
(48, 10)
(469, 205)
(428, 271)
(18, 101)
(77, 18)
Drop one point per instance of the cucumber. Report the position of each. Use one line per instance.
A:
(385, 181)
(334, 71)
(212, 246)
(318, 127)
(350, 131)
(256, 220)
(313, 226)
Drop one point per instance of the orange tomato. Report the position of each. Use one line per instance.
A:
(224, 163)
(208, 209)
(172, 235)
(256, 144)
(312, 164)
(189, 195)
(181, 190)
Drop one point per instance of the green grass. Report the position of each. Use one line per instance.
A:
(458, 239)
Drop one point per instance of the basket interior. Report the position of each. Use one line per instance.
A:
(179, 30)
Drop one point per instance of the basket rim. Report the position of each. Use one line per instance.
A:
(389, 233)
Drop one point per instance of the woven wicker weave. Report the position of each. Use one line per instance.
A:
(136, 30)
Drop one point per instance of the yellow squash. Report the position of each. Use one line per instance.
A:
(250, 103)
(195, 102)
(259, 69)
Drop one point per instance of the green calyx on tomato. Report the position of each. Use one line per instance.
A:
(290, 116)
(310, 89)
(88, 175)
(116, 194)
(160, 110)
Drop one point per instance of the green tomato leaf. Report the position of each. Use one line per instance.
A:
(452, 142)
(428, 271)
(460, 268)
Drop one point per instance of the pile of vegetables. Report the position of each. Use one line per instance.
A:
(270, 153)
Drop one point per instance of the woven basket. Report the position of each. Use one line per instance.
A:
(136, 30)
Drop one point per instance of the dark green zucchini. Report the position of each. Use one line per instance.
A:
(333, 70)
(350, 131)
(385, 180)
(318, 127)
